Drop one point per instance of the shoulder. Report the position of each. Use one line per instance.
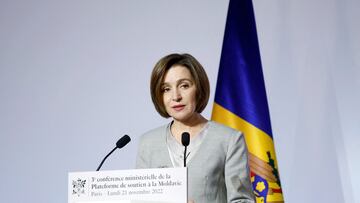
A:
(225, 136)
(222, 130)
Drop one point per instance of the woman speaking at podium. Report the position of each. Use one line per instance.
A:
(217, 155)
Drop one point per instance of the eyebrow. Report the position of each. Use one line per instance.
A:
(179, 81)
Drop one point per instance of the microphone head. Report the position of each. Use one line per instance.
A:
(123, 141)
(185, 139)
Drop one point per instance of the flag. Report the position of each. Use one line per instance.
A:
(241, 102)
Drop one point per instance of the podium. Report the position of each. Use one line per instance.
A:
(163, 185)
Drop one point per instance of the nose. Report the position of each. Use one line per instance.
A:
(176, 96)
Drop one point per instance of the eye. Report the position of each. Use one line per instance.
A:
(165, 89)
(184, 85)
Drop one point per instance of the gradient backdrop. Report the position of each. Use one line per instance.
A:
(74, 77)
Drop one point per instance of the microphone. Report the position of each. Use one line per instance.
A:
(185, 140)
(124, 140)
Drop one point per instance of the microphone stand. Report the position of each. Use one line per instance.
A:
(102, 162)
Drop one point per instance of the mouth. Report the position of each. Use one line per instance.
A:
(178, 107)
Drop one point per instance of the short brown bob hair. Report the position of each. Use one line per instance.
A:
(197, 72)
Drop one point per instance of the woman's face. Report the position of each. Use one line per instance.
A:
(179, 91)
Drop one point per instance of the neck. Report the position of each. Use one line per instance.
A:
(192, 126)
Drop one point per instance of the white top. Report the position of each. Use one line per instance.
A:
(176, 150)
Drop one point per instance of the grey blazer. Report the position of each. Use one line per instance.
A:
(218, 172)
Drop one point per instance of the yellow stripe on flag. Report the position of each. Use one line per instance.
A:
(257, 141)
